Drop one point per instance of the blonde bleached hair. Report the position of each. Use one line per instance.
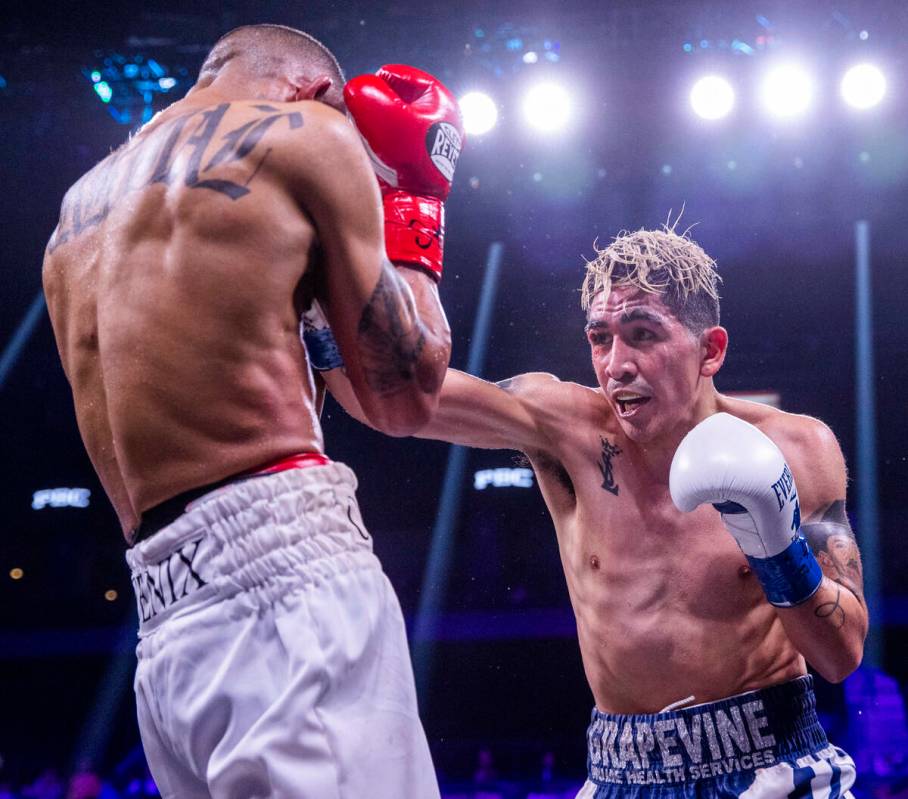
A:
(660, 262)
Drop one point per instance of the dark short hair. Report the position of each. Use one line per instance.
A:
(821, 532)
(269, 47)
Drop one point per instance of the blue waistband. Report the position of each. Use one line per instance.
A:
(742, 733)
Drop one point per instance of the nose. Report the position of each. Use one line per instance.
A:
(621, 366)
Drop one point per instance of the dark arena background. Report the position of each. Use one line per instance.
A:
(805, 209)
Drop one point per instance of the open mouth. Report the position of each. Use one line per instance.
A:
(629, 405)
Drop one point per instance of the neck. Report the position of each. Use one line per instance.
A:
(656, 456)
(228, 86)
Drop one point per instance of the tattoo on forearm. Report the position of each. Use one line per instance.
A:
(832, 610)
(154, 159)
(609, 451)
(832, 541)
(391, 340)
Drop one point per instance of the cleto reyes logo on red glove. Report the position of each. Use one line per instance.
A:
(412, 128)
(444, 143)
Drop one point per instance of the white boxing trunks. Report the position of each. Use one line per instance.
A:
(272, 655)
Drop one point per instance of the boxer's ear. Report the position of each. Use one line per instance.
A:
(713, 346)
(311, 88)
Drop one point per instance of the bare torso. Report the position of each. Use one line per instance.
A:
(174, 284)
(666, 606)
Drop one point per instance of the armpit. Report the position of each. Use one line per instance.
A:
(542, 462)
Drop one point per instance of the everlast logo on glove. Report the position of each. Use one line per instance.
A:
(443, 142)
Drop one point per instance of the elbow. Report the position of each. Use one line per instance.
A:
(405, 415)
(843, 664)
(408, 406)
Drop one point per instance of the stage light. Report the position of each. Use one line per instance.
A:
(712, 97)
(110, 595)
(547, 107)
(863, 86)
(479, 113)
(128, 85)
(787, 91)
(16, 573)
(102, 87)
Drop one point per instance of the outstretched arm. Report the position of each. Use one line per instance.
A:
(474, 412)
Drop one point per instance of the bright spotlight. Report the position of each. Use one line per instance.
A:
(787, 91)
(863, 86)
(479, 113)
(712, 97)
(547, 107)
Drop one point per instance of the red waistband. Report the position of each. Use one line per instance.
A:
(301, 460)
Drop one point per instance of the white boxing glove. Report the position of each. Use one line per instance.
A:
(739, 470)
(316, 335)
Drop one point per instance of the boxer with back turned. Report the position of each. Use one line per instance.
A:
(688, 523)
(272, 651)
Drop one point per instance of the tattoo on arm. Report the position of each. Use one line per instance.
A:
(390, 339)
(832, 541)
(832, 610)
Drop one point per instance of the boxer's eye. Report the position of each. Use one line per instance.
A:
(600, 339)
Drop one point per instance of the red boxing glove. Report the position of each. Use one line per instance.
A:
(412, 128)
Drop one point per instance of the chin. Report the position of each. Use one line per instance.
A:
(639, 434)
(646, 431)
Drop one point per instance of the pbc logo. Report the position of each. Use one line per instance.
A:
(443, 141)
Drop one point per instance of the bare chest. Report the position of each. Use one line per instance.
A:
(627, 548)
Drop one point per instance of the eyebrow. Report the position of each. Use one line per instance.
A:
(634, 315)
(641, 314)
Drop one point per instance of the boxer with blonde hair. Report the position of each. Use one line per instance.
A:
(687, 522)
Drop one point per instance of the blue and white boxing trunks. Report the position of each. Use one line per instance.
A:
(758, 745)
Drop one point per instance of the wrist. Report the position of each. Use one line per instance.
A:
(790, 577)
(414, 231)
(321, 346)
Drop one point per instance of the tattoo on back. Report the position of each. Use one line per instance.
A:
(153, 160)
(609, 451)
(390, 339)
(829, 534)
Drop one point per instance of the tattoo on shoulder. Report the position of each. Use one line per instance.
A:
(155, 159)
(390, 340)
(609, 451)
(829, 534)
